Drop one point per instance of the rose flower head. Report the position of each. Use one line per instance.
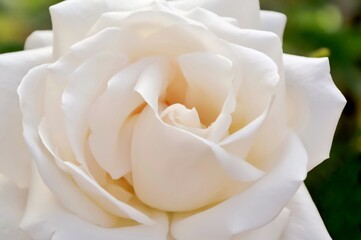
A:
(162, 120)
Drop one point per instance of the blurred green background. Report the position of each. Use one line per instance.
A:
(315, 28)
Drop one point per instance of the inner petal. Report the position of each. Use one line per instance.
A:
(209, 78)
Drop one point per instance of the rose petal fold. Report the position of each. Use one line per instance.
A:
(84, 86)
(109, 115)
(72, 20)
(34, 84)
(209, 80)
(246, 12)
(255, 206)
(186, 173)
(270, 231)
(46, 218)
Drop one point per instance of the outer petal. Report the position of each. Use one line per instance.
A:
(270, 231)
(31, 93)
(46, 219)
(315, 104)
(246, 12)
(273, 22)
(73, 19)
(14, 156)
(12, 205)
(305, 222)
(39, 39)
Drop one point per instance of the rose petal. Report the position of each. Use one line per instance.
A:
(305, 222)
(259, 74)
(39, 39)
(73, 19)
(246, 12)
(108, 115)
(270, 231)
(14, 155)
(12, 206)
(144, 22)
(32, 109)
(153, 81)
(84, 86)
(273, 22)
(185, 173)
(315, 104)
(47, 219)
(108, 40)
(209, 80)
(240, 142)
(265, 42)
(255, 206)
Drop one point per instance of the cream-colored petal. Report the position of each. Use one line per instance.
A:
(31, 93)
(153, 81)
(271, 231)
(14, 155)
(265, 42)
(305, 221)
(255, 85)
(72, 20)
(314, 104)
(84, 86)
(273, 22)
(60, 73)
(175, 170)
(180, 38)
(47, 219)
(209, 81)
(39, 39)
(12, 206)
(255, 206)
(240, 142)
(246, 12)
(144, 22)
(111, 111)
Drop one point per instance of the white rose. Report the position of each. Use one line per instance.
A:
(162, 120)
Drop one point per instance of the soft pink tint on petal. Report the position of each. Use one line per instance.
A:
(315, 104)
(12, 206)
(305, 221)
(14, 155)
